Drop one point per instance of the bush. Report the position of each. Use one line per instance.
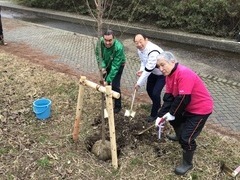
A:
(209, 17)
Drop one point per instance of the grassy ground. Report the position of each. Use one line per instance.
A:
(34, 149)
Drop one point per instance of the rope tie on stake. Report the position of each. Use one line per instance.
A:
(98, 87)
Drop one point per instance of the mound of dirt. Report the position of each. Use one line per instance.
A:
(127, 132)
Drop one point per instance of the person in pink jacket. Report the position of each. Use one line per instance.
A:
(187, 106)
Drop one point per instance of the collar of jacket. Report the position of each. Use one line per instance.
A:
(174, 69)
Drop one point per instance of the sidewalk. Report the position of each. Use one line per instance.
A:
(77, 51)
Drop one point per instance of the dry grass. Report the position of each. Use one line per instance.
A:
(34, 149)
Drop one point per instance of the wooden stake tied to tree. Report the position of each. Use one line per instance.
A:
(109, 95)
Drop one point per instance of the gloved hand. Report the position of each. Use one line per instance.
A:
(159, 121)
(137, 87)
(104, 71)
(168, 117)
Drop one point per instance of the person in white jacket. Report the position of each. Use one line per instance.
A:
(148, 72)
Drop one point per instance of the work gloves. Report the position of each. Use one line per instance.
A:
(166, 117)
(160, 121)
(104, 71)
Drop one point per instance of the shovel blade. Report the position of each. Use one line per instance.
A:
(127, 113)
(105, 113)
(133, 114)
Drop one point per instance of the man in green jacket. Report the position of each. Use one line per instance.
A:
(111, 61)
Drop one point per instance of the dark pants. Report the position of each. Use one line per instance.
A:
(116, 83)
(191, 126)
(154, 88)
(1, 29)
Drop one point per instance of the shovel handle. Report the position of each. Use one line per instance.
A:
(150, 127)
(134, 93)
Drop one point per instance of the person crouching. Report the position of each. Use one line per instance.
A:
(187, 106)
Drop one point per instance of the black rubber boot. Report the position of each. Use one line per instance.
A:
(174, 137)
(186, 163)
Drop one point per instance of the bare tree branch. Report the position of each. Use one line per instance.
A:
(90, 10)
(96, 4)
(110, 9)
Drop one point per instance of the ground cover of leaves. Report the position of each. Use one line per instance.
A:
(34, 149)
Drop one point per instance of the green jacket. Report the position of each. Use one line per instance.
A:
(112, 58)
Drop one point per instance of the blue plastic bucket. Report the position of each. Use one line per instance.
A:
(42, 108)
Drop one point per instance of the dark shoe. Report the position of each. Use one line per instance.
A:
(186, 163)
(117, 110)
(3, 43)
(151, 119)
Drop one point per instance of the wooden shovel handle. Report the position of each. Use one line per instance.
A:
(150, 127)
(134, 94)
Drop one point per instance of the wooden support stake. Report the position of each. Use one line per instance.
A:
(109, 107)
(100, 88)
(79, 108)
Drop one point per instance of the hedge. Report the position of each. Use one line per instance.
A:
(219, 18)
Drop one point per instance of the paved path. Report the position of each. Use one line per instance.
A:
(76, 50)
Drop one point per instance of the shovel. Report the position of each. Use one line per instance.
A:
(145, 130)
(105, 113)
(131, 113)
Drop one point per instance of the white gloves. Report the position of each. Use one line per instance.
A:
(168, 117)
(104, 71)
(159, 121)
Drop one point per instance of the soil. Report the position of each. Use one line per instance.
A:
(127, 133)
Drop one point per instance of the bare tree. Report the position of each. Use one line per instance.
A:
(100, 6)
(100, 10)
